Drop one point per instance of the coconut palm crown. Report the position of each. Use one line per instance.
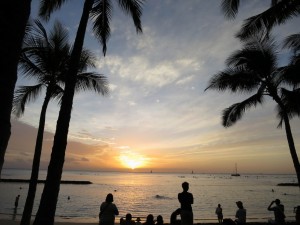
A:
(254, 70)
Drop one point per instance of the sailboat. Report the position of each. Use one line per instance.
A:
(236, 174)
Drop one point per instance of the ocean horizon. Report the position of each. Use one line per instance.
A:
(141, 193)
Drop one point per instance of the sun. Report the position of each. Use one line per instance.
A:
(132, 161)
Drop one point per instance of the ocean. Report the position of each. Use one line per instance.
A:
(155, 193)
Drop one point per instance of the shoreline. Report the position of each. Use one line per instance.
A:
(85, 182)
(17, 222)
(43, 181)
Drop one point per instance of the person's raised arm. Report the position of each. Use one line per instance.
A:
(269, 207)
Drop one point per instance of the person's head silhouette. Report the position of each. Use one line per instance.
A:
(109, 198)
(185, 186)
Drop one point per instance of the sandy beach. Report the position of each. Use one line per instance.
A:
(10, 222)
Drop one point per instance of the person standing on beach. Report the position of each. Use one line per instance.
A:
(17, 201)
(108, 211)
(219, 213)
(240, 214)
(278, 210)
(186, 200)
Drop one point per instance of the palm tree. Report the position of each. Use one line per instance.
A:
(279, 12)
(100, 11)
(46, 58)
(254, 70)
(13, 19)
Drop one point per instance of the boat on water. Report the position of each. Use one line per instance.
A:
(236, 174)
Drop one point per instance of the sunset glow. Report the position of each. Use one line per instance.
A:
(158, 116)
(132, 161)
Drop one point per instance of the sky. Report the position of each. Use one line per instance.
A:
(158, 116)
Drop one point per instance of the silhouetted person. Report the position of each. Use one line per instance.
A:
(108, 211)
(240, 214)
(149, 220)
(219, 213)
(138, 221)
(173, 219)
(128, 220)
(159, 220)
(17, 201)
(186, 200)
(297, 216)
(278, 210)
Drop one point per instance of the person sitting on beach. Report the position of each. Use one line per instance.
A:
(108, 211)
(149, 220)
(219, 213)
(159, 220)
(128, 220)
(173, 219)
(278, 212)
(240, 213)
(138, 221)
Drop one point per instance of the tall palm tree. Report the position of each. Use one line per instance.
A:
(13, 20)
(46, 58)
(100, 11)
(279, 12)
(253, 69)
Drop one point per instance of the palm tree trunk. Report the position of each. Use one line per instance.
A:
(293, 151)
(46, 211)
(26, 217)
(13, 19)
(289, 136)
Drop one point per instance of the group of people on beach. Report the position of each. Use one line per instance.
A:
(108, 211)
(240, 215)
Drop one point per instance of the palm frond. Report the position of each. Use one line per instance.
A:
(49, 6)
(291, 74)
(59, 36)
(291, 104)
(235, 112)
(292, 42)
(39, 31)
(101, 14)
(275, 15)
(57, 93)
(235, 80)
(87, 59)
(230, 8)
(29, 67)
(291, 101)
(24, 95)
(92, 81)
(134, 8)
(256, 55)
